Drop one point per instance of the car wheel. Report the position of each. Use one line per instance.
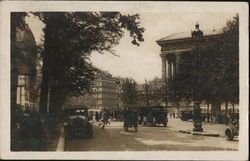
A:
(229, 134)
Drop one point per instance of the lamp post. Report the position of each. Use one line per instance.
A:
(197, 35)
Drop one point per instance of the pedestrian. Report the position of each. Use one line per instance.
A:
(97, 118)
(106, 116)
(208, 117)
(174, 114)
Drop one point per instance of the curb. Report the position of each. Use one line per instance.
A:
(199, 133)
(186, 132)
(61, 142)
(206, 134)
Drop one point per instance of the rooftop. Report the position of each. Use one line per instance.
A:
(187, 35)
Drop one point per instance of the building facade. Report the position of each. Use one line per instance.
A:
(173, 47)
(104, 95)
(26, 64)
(106, 92)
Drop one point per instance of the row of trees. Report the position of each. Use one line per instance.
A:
(211, 72)
(69, 40)
(129, 94)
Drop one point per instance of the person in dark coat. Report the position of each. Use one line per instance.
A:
(97, 118)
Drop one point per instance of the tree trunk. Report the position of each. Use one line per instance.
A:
(226, 106)
(216, 108)
(44, 91)
(56, 101)
(53, 100)
(208, 112)
(48, 51)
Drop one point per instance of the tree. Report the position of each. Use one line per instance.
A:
(231, 51)
(211, 72)
(129, 93)
(69, 40)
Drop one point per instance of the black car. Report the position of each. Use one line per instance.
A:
(155, 115)
(186, 115)
(77, 123)
(130, 119)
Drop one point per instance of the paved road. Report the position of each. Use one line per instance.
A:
(114, 138)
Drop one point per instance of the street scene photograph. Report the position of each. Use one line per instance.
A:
(96, 81)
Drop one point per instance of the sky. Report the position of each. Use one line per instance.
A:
(144, 62)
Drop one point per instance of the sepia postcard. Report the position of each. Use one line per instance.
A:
(124, 80)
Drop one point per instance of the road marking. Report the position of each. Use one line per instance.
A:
(61, 142)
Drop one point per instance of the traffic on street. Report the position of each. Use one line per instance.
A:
(115, 138)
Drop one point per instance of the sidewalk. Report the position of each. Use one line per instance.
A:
(187, 126)
(53, 139)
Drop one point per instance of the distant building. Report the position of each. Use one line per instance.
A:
(104, 95)
(26, 61)
(106, 92)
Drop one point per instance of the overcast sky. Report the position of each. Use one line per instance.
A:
(144, 62)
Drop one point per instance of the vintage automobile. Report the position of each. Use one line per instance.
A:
(186, 115)
(233, 129)
(77, 123)
(155, 115)
(130, 119)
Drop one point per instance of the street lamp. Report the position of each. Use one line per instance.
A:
(197, 34)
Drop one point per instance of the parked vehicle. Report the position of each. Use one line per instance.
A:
(155, 115)
(233, 129)
(78, 123)
(159, 115)
(130, 119)
(186, 115)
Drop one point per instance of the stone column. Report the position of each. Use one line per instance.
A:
(164, 79)
(169, 69)
(174, 69)
(163, 70)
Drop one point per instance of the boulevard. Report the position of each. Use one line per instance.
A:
(114, 138)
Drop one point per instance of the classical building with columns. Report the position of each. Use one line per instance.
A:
(172, 48)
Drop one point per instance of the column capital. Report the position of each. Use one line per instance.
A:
(170, 57)
(163, 57)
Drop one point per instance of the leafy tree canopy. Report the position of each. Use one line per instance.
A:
(70, 38)
(212, 70)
